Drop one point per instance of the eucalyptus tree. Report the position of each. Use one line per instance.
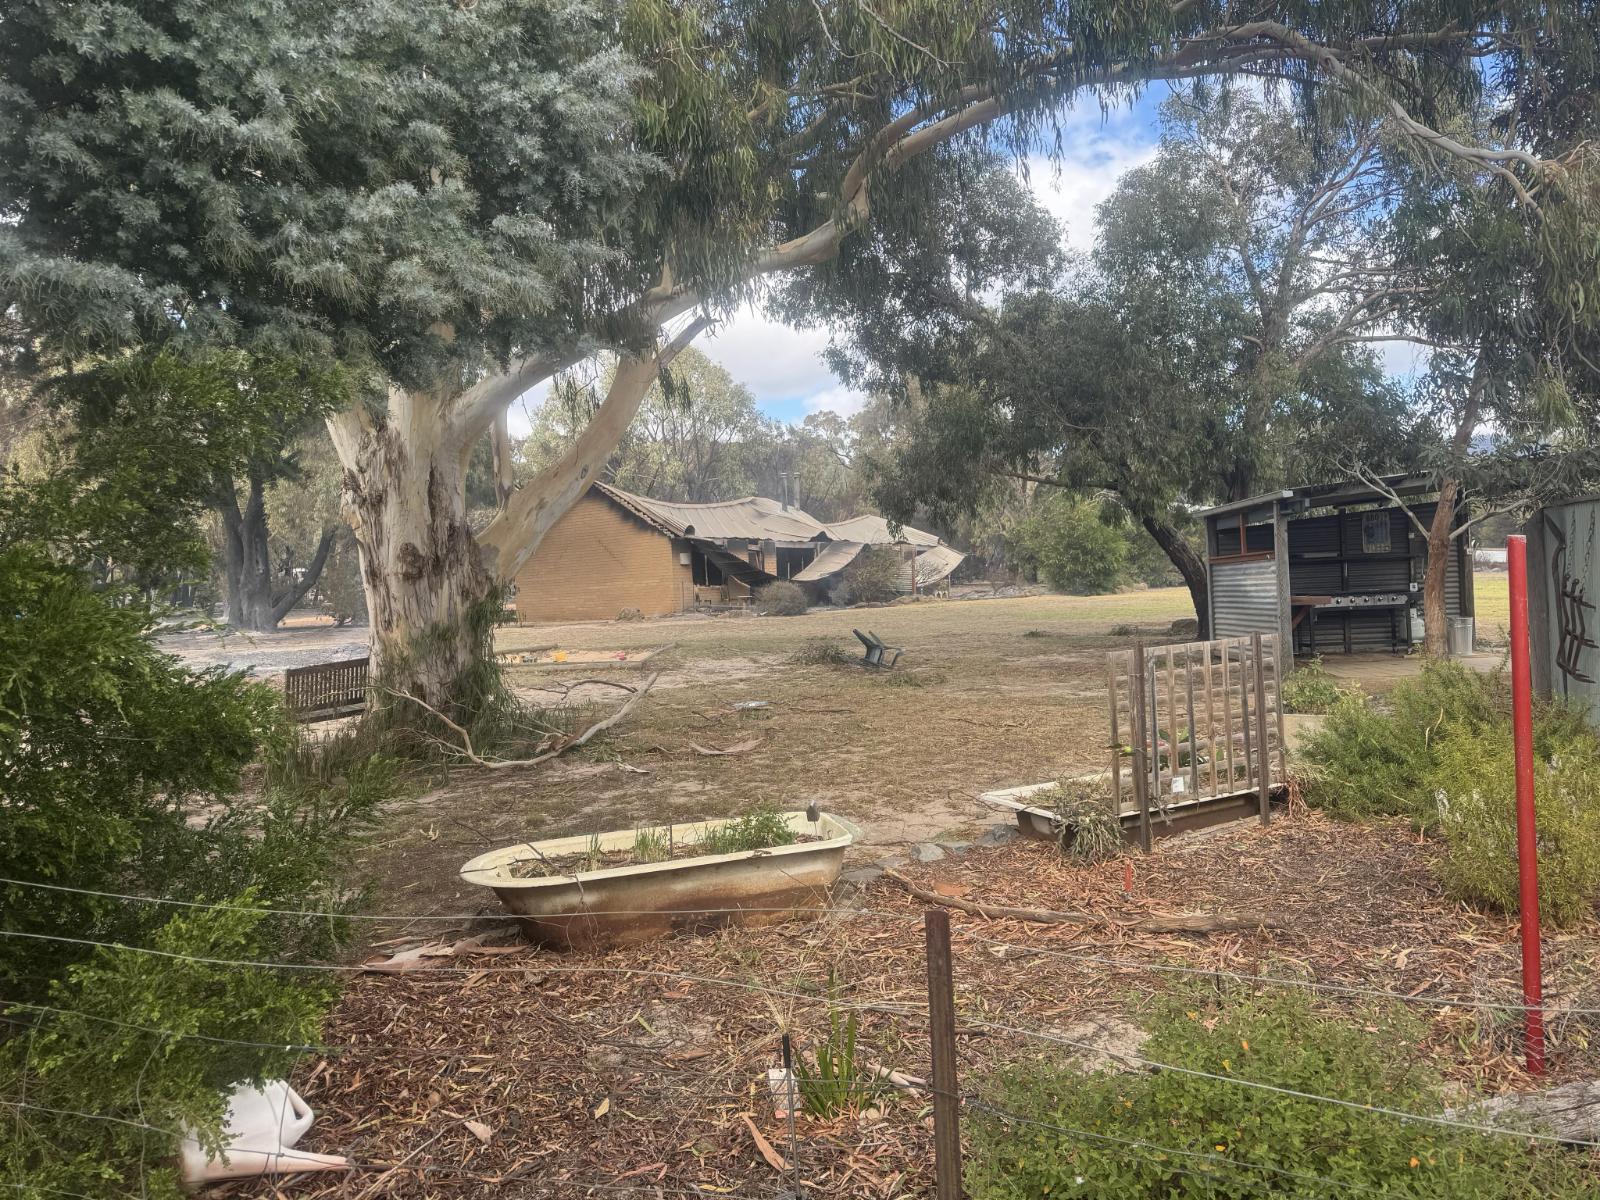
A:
(474, 197)
(691, 439)
(209, 430)
(1213, 345)
(1509, 400)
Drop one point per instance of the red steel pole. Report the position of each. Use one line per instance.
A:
(1527, 836)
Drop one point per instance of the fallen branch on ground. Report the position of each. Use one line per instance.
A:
(1157, 923)
(1571, 1111)
(569, 685)
(736, 748)
(560, 746)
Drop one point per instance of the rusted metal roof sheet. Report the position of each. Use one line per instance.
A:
(753, 517)
(874, 531)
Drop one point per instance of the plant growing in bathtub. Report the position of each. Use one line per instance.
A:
(760, 829)
(652, 844)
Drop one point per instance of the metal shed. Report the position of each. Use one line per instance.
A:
(1563, 588)
(1330, 568)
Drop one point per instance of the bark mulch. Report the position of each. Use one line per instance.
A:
(531, 1073)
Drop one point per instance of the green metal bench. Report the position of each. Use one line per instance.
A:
(878, 654)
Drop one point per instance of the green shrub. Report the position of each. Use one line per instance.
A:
(100, 1057)
(1475, 787)
(1379, 757)
(782, 599)
(1238, 1141)
(1367, 762)
(1072, 547)
(873, 578)
(759, 829)
(1310, 689)
(121, 772)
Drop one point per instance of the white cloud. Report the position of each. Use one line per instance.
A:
(843, 400)
(1097, 150)
(1402, 359)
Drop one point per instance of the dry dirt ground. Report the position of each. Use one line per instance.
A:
(989, 693)
(508, 1070)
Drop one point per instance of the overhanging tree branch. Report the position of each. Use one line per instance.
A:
(514, 534)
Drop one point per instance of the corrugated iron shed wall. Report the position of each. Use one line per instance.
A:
(1564, 602)
(1244, 598)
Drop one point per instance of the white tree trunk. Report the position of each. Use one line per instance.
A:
(1435, 611)
(404, 494)
(430, 584)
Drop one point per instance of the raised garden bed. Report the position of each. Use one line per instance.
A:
(617, 900)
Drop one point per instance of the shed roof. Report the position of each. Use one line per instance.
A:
(1321, 495)
(754, 517)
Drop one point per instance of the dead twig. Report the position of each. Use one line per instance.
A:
(1159, 923)
(561, 746)
(570, 685)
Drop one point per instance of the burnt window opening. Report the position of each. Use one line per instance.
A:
(705, 570)
(792, 561)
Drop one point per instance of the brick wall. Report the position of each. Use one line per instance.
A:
(597, 561)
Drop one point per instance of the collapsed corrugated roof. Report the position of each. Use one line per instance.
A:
(835, 556)
(874, 531)
(755, 518)
(641, 508)
(932, 565)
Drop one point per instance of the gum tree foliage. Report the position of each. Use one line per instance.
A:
(214, 430)
(693, 438)
(699, 436)
(1214, 346)
(1500, 362)
(443, 189)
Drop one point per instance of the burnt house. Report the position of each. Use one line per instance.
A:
(614, 550)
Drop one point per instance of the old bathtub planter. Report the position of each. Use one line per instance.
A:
(1176, 812)
(622, 905)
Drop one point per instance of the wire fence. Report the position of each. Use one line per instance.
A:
(783, 1077)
